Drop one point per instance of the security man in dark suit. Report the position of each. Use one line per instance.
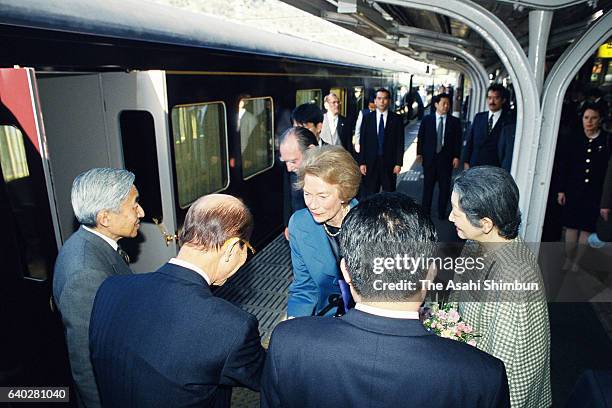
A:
(438, 149)
(379, 354)
(381, 143)
(162, 339)
(482, 140)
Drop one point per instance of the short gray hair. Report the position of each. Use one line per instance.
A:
(99, 189)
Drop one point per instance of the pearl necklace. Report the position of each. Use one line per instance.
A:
(329, 233)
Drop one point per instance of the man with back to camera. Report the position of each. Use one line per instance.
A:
(292, 145)
(105, 202)
(482, 140)
(309, 116)
(336, 129)
(162, 339)
(381, 146)
(438, 149)
(379, 354)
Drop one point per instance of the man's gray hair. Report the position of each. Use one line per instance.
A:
(99, 189)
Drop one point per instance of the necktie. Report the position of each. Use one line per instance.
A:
(123, 255)
(381, 134)
(490, 127)
(440, 134)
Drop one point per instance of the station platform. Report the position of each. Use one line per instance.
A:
(581, 333)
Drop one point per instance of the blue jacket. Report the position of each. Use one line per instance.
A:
(482, 149)
(375, 361)
(162, 339)
(315, 270)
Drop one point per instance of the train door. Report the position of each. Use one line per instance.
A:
(114, 120)
(31, 347)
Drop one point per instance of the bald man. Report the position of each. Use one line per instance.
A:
(162, 339)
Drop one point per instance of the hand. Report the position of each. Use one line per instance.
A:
(561, 198)
(287, 233)
(466, 166)
(604, 212)
(419, 159)
(363, 169)
(455, 163)
(357, 148)
(397, 169)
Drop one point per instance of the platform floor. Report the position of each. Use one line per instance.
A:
(581, 333)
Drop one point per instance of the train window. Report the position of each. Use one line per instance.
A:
(22, 200)
(358, 98)
(200, 150)
(308, 96)
(255, 125)
(140, 157)
(12, 154)
(341, 94)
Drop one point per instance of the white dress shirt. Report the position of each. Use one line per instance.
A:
(443, 125)
(189, 265)
(384, 114)
(110, 241)
(496, 116)
(395, 314)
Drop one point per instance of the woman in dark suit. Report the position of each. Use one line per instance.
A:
(581, 177)
(330, 179)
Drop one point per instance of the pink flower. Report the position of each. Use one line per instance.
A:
(468, 329)
(472, 343)
(453, 316)
(433, 325)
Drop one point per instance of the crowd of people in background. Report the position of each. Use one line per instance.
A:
(164, 339)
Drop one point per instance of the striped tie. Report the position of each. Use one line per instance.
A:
(123, 255)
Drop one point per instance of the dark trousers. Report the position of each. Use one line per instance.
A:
(439, 170)
(378, 176)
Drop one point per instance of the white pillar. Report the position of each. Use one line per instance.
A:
(539, 30)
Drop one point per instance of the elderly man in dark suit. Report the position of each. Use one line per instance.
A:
(482, 142)
(162, 339)
(105, 202)
(379, 354)
(381, 146)
(293, 143)
(438, 149)
(336, 130)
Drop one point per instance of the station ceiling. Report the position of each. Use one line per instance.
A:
(414, 32)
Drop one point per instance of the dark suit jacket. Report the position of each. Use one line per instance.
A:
(482, 149)
(428, 137)
(363, 360)
(293, 200)
(163, 340)
(84, 262)
(393, 148)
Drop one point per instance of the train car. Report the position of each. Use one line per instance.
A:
(155, 90)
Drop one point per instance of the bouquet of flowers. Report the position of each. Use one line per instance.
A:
(445, 321)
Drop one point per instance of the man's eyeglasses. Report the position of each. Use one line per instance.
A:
(244, 242)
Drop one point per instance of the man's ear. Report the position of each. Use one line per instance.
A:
(344, 270)
(231, 246)
(319, 127)
(486, 224)
(103, 218)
